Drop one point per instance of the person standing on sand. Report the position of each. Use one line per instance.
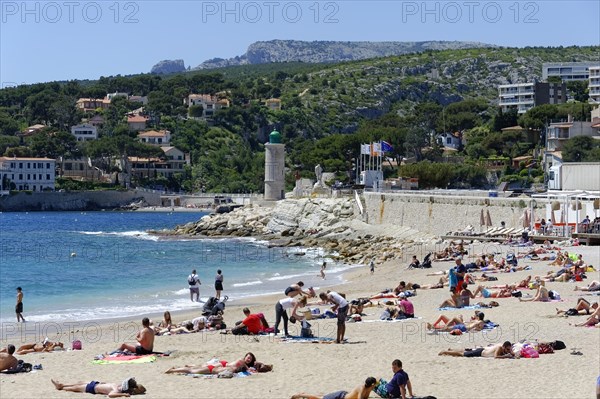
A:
(19, 306)
(218, 284)
(322, 274)
(341, 306)
(194, 283)
(372, 266)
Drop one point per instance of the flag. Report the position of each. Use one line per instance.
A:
(375, 149)
(386, 147)
(365, 149)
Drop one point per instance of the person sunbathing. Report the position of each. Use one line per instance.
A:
(541, 295)
(457, 323)
(242, 364)
(497, 351)
(44, 346)
(583, 307)
(112, 390)
(560, 258)
(593, 320)
(7, 360)
(593, 286)
(505, 292)
(360, 392)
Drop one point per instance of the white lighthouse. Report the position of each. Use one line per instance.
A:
(274, 168)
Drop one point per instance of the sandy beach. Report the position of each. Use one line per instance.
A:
(323, 368)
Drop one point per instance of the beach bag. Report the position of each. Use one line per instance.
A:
(545, 347)
(558, 345)
(305, 331)
(76, 345)
(517, 294)
(554, 295)
(529, 352)
(192, 280)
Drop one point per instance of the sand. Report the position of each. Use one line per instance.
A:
(323, 368)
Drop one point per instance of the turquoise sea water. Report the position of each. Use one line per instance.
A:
(102, 265)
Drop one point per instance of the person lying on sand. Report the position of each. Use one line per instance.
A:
(44, 346)
(593, 286)
(593, 320)
(243, 364)
(497, 351)
(457, 323)
(112, 390)
(505, 292)
(583, 307)
(360, 392)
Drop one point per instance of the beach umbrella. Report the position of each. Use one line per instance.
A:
(488, 219)
(552, 218)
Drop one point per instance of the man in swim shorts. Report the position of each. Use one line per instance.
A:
(497, 351)
(145, 340)
(112, 390)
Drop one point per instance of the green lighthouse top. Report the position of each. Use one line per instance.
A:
(275, 137)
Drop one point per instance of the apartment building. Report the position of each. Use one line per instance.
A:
(567, 71)
(594, 85)
(35, 174)
(524, 96)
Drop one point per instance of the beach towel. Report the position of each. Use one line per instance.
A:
(126, 359)
(461, 308)
(241, 374)
(391, 320)
(298, 339)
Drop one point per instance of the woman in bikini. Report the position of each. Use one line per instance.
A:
(296, 289)
(242, 364)
(583, 308)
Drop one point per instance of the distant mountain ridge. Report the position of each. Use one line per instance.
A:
(331, 51)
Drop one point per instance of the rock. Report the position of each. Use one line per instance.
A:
(167, 67)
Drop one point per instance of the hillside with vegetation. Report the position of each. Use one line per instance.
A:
(327, 111)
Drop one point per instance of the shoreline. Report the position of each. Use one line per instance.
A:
(376, 344)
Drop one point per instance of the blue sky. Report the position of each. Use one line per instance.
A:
(64, 39)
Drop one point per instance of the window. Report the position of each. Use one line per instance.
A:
(40, 165)
(28, 165)
(448, 140)
(47, 165)
(34, 165)
(28, 176)
(34, 176)
(40, 176)
(20, 165)
(47, 176)
(12, 165)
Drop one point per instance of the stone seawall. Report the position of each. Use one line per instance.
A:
(436, 214)
(75, 201)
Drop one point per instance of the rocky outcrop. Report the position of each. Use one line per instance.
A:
(330, 51)
(326, 223)
(168, 66)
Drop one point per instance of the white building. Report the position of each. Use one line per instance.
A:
(524, 96)
(161, 137)
(594, 85)
(210, 104)
(35, 174)
(567, 70)
(85, 132)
